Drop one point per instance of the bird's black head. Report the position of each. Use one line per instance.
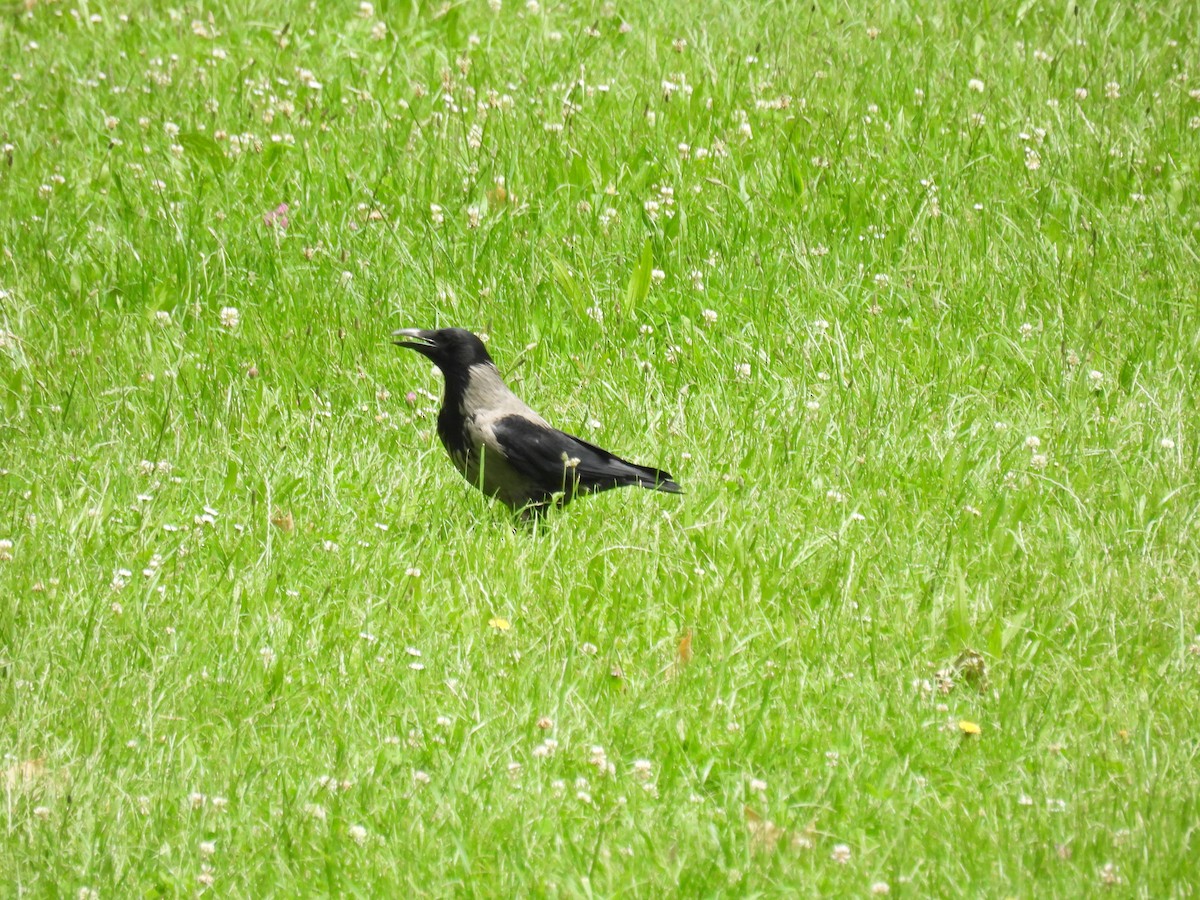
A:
(452, 350)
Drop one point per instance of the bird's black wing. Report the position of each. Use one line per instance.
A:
(556, 460)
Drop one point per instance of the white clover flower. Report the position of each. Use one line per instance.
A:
(231, 317)
(315, 810)
(975, 85)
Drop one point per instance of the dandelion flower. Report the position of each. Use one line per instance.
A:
(969, 728)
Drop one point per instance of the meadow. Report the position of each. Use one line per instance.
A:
(904, 295)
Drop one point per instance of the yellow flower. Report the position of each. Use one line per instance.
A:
(500, 624)
(969, 728)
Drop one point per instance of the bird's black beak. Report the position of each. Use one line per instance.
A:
(414, 339)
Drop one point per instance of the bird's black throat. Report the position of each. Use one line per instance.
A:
(451, 421)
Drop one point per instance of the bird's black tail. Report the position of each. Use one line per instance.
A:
(600, 470)
(653, 479)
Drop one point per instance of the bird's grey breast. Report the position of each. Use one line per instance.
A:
(486, 400)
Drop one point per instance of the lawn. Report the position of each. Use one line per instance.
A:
(904, 296)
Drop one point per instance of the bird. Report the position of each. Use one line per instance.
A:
(502, 446)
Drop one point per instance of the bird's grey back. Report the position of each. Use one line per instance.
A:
(487, 398)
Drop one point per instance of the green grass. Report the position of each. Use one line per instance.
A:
(916, 292)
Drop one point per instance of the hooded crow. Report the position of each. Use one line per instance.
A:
(502, 446)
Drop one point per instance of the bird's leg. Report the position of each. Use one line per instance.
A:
(531, 511)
